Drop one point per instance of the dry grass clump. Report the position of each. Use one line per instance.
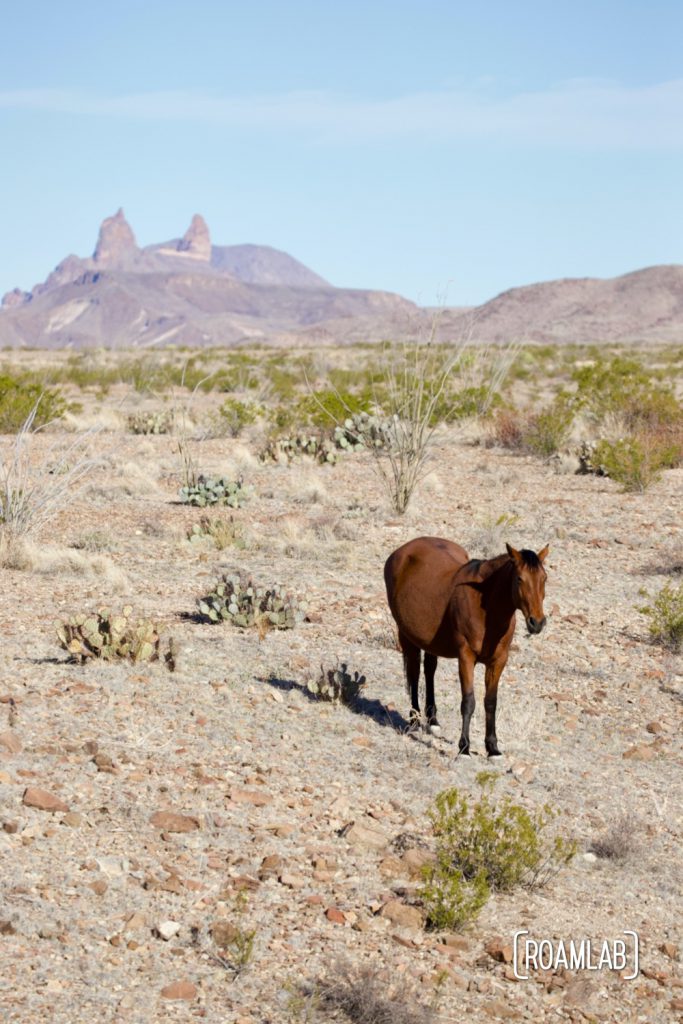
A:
(24, 555)
(619, 842)
(365, 998)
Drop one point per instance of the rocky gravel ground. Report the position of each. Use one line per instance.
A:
(214, 843)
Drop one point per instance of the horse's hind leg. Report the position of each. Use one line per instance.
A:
(411, 664)
(466, 670)
(430, 664)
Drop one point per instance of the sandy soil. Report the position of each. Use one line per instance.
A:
(589, 721)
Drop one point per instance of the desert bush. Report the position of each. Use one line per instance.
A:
(236, 599)
(151, 422)
(114, 637)
(623, 388)
(224, 533)
(540, 433)
(365, 998)
(337, 685)
(548, 430)
(486, 846)
(665, 615)
(215, 491)
(635, 461)
(233, 416)
(23, 396)
(618, 842)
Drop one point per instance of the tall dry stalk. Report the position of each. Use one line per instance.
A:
(34, 488)
(415, 381)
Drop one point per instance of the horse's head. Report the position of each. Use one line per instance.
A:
(528, 589)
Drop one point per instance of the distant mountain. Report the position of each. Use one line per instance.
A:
(643, 306)
(185, 292)
(188, 291)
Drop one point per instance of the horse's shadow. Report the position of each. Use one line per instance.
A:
(387, 718)
(373, 709)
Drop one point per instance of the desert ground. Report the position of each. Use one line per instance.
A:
(304, 823)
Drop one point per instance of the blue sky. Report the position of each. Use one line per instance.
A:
(445, 151)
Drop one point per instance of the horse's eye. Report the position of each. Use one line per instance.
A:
(519, 579)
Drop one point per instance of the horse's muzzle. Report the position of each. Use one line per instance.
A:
(535, 625)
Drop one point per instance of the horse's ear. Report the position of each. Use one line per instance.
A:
(543, 554)
(513, 553)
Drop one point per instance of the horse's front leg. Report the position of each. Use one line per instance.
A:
(493, 673)
(466, 662)
(430, 664)
(411, 664)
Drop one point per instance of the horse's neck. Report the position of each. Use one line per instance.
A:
(496, 578)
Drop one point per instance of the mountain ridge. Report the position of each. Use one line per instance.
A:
(188, 291)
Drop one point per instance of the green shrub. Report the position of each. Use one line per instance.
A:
(233, 416)
(622, 387)
(666, 616)
(541, 433)
(486, 846)
(546, 431)
(18, 397)
(224, 533)
(635, 461)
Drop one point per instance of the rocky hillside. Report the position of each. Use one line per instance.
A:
(185, 291)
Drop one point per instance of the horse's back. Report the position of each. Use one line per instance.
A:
(419, 578)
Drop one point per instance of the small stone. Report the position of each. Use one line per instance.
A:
(416, 859)
(292, 881)
(168, 930)
(641, 752)
(402, 914)
(170, 822)
(669, 949)
(497, 1008)
(10, 742)
(11, 827)
(455, 941)
(179, 990)
(365, 836)
(73, 819)
(250, 796)
(499, 950)
(391, 867)
(270, 866)
(654, 727)
(99, 886)
(335, 915)
(223, 933)
(676, 1004)
(42, 800)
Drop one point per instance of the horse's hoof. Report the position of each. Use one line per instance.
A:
(434, 729)
(496, 756)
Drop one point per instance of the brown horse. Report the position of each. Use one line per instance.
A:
(451, 606)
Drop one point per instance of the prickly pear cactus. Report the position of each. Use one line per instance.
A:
(113, 637)
(337, 685)
(362, 430)
(587, 461)
(236, 599)
(218, 491)
(298, 445)
(151, 422)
